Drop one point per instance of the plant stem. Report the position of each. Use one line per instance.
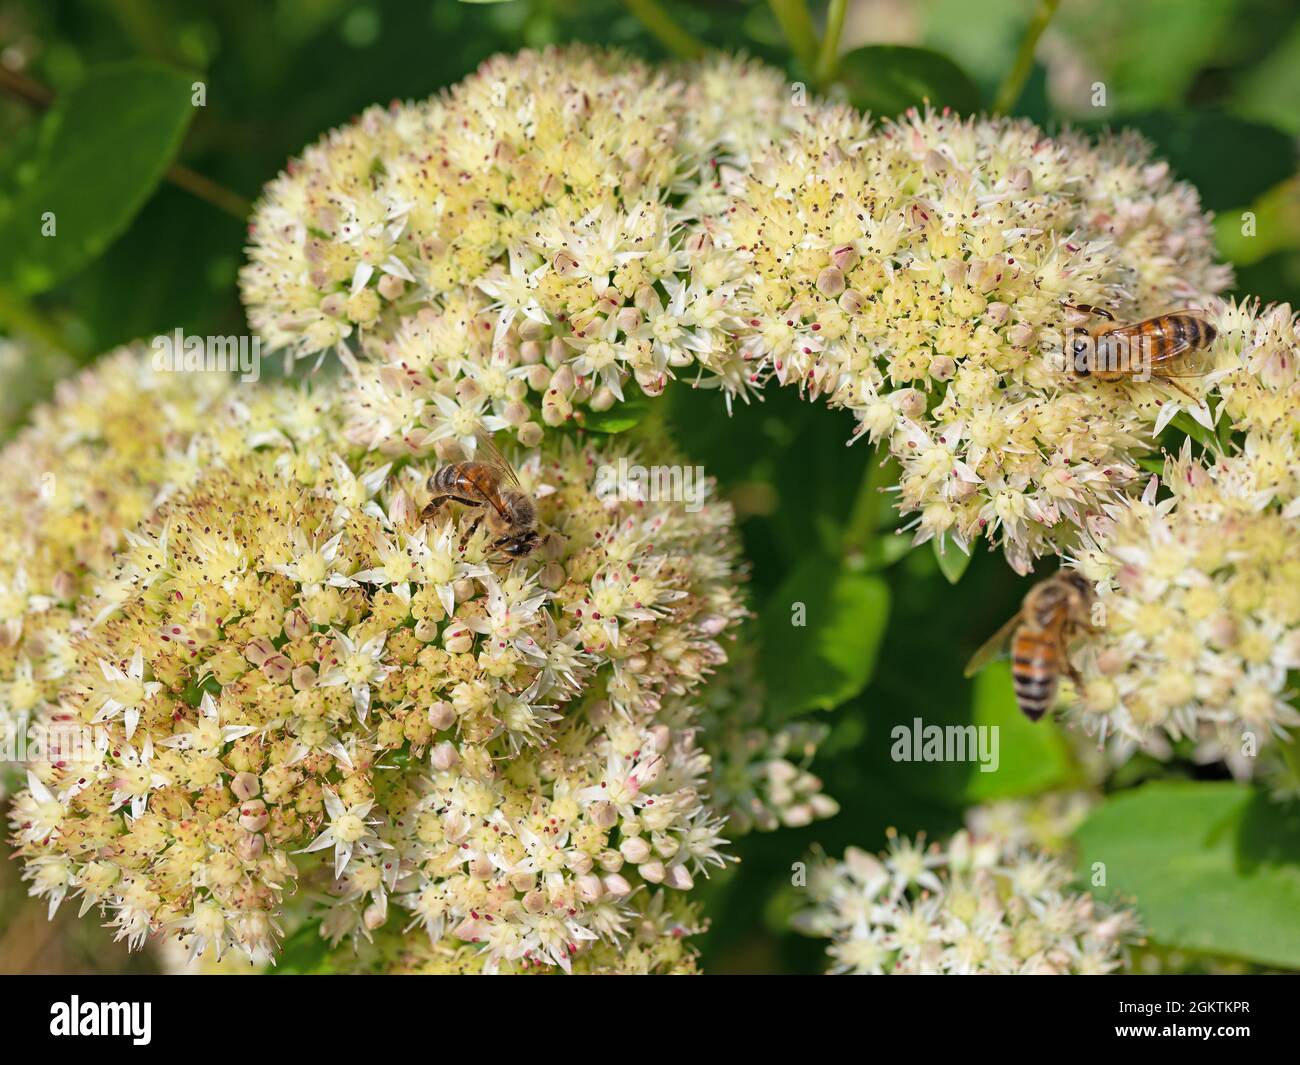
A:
(797, 26)
(829, 59)
(665, 29)
(1014, 83)
(20, 316)
(222, 198)
(38, 96)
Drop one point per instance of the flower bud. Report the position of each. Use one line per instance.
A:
(603, 814)
(259, 650)
(616, 885)
(442, 715)
(253, 816)
(250, 847)
(636, 850)
(245, 786)
(830, 282)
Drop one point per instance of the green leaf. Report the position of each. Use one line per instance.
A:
(1148, 54)
(1276, 227)
(1269, 91)
(1213, 867)
(303, 952)
(953, 561)
(620, 417)
(1261, 155)
(885, 549)
(821, 633)
(1032, 756)
(1189, 426)
(887, 79)
(101, 150)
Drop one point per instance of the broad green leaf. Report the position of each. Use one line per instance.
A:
(953, 561)
(1147, 54)
(887, 79)
(101, 150)
(1269, 91)
(885, 549)
(983, 38)
(1212, 867)
(1273, 227)
(1032, 756)
(821, 633)
(1197, 142)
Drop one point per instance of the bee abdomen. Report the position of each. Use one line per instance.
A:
(1183, 329)
(1034, 673)
(445, 478)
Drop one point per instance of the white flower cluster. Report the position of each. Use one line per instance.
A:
(1199, 576)
(518, 250)
(915, 275)
(289, 688)
(973, 905)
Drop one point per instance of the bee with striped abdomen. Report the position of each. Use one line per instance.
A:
(1053, 611)
(1158, 347)
(490, 483)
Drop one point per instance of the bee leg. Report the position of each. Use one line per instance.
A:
(1174, 384)
(1067, 667)
(1074, 675)
(473, 528)
(1088, 308)
(431, 508)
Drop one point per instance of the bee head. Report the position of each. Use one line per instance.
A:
(521, 546)
(1079, 583)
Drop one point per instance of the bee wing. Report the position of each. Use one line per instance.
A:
(1182, 358)
(450, 450)
(993, 646)
(490, 454)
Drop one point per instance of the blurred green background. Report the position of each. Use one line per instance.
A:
(1215, 83)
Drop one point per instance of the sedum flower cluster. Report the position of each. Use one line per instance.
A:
(286, 695)
(1043, 823)
(1199, 577)
(524, 250)
(914, 275)
(977, 904)
(73, 485)
(565, 228)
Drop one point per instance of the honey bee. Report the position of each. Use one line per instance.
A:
(489, 483)
(1158, 346)
(1053, 611)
